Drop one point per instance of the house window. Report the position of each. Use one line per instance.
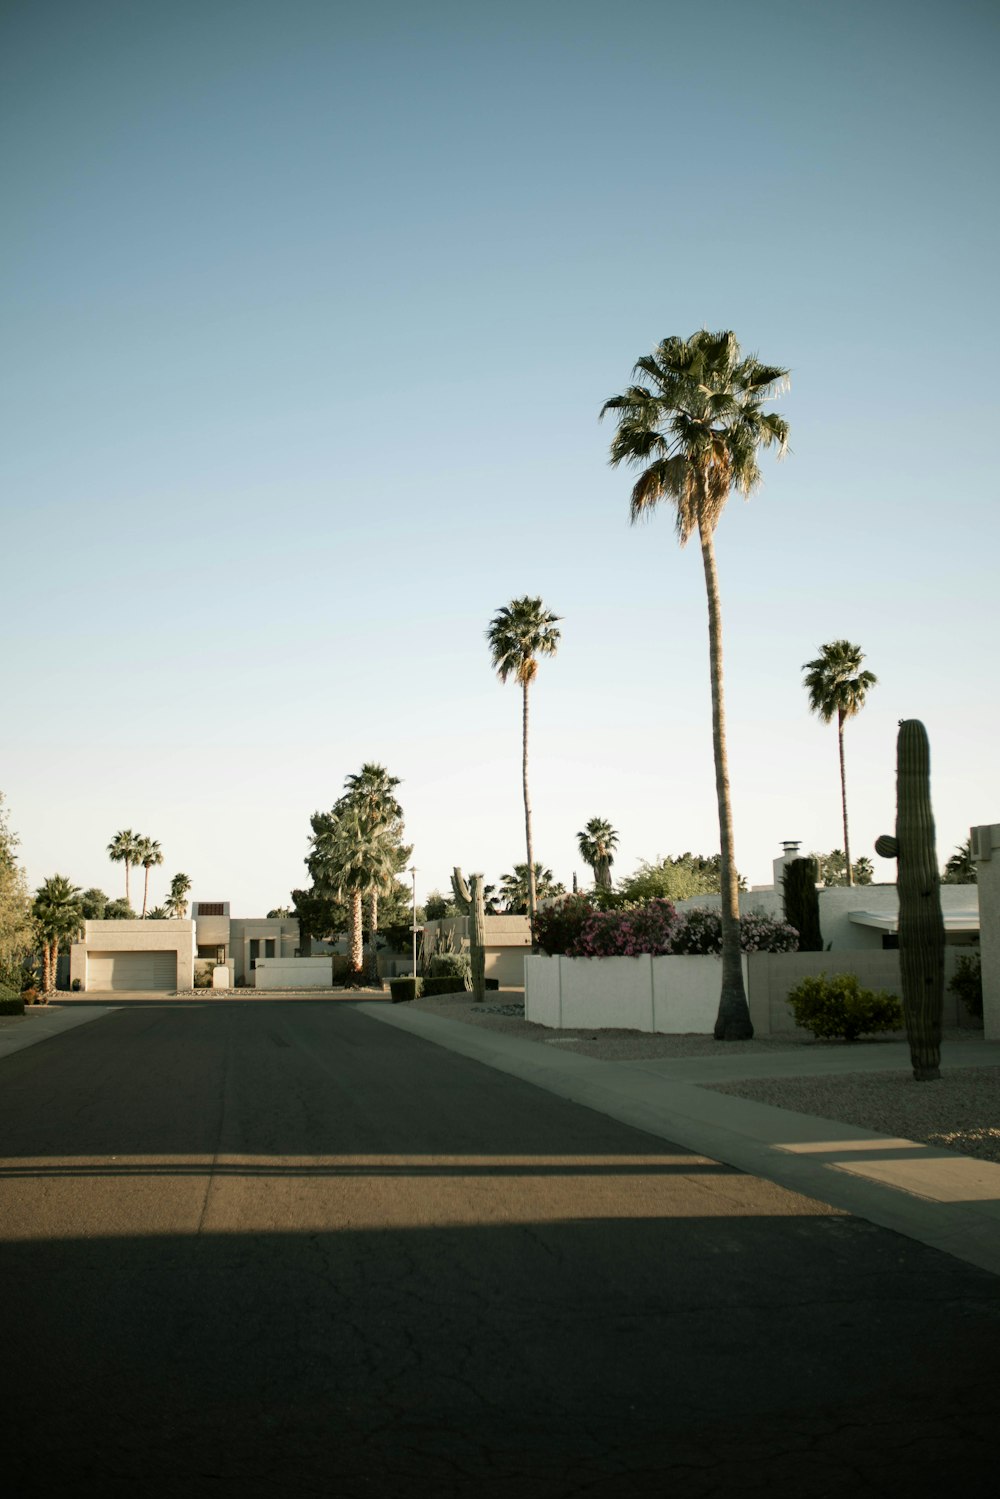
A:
(254, 952)
(269, 947)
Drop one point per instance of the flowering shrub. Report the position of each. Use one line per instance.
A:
(557, 927)
(700, 931)
(626, 934)
(576, 928)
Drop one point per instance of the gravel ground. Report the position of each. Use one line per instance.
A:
(960, 1113)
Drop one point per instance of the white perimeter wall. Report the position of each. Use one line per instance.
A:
(293, 973)
(671, 996)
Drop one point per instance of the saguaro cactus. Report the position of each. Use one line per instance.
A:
(802, 902)
(921, 927)
(471, 901)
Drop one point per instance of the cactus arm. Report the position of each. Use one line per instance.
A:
(887, 847)
(471, 901)
(460, 890)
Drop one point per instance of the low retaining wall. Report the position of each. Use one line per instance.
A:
(293, 973)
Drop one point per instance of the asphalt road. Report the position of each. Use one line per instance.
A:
(283, 1249)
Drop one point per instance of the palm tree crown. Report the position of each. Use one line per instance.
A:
(836, 684)
(58, 914)
(693, 424)
(176, 902)
(518, 634)
(597, 844)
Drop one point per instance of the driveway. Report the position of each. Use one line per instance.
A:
(278, 1249)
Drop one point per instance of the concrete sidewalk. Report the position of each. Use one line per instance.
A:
(948, 1201)
(41, 1022)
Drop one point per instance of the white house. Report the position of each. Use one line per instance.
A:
(163, 956)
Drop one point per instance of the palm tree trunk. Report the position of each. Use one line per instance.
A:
(843, 797)
(527, 809)
(733, 1021)
(128, 898)
(46, 965)
(145, 893)
(372, 929)
(354, 941)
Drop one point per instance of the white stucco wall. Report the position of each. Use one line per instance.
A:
(671, 996)
(292, 973)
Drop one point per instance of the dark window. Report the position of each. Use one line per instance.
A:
(269, 947)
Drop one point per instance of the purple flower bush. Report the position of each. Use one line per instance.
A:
(574, 927)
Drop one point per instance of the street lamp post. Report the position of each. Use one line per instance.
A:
(413, 928)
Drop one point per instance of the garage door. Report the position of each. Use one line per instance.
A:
(132, 970)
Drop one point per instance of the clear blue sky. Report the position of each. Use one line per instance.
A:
(308, 311)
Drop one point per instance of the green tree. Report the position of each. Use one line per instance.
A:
(373, 791)
(95, 903)
(518, 634)
(837, 688)
(515, 888)
(597, 844)
(280, 913)
(693, 424)
(960, 869)
(123, 850)
(177, 901)
(57, 911)
(319, 916)
(833, 869)
(16, 930)
(677, 878)
(118, 910)
(437, 906)
(148, 854)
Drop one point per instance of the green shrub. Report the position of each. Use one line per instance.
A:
(11, 1002)
(453, 965)
(340, 967)
(967, 984)
(445, 984)
(400, 990)
(838, 1007)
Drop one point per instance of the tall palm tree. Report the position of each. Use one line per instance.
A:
(58, 914)
(122, 850)
(694, 424)
(148, 853)
(518, 634)
(373, 791)
(176, 903)
(353, 858)
(597, 844)
(837, 688)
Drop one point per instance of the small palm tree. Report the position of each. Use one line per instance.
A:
(961, 867)
(58, 915)
(518, 634)
(122, 850)
(693, 424)
(837, 689)
(148, 853)
(515, 888)
(597, 844)
(177, 901)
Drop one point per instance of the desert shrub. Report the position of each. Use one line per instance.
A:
(698, 932)
(30, 996)
(403, 989)
(453, 965)
(445, 983)
(967, 983)
(627, 934)
(558, 927)
(76, 986)
(838, 1007)
(340, 967)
